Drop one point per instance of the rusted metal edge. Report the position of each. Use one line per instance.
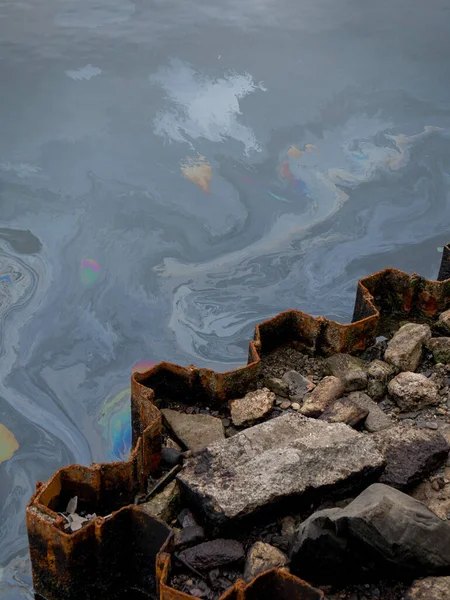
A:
(59, 559)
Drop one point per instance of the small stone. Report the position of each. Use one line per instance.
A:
(440, 348)
(410, 454)
(194, 431)
(214, 554)
(412, 391)
(193, 534)
(376, 420)
(444, 321)
(171, 456)
(404, 350)
(226, 422)
(435, 486)
(251, 407)
(380, 371)
(164, 505)
(427, 425)
(288, 525)
(277, 386)
(349, 369)
(295, 406)
(262, 557)
(430, 588)
(186, 518)
(328, 390)
(344, 410)
(171, 444)
(354, 380)
(285, 405)
(376, 389)
(298, 385)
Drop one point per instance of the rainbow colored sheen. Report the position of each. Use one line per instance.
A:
(116, 422)
(143, 366)
(8, 443)
(89, 270)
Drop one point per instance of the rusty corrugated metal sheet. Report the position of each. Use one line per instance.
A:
(130, 547)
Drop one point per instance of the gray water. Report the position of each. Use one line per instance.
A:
(220, 162)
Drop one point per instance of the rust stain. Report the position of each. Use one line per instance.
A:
(90, 562)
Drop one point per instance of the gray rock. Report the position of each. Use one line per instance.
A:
(284, 457)
(194, 431)
(354, 380)
(325, 392)
(350, 370)
(277, 386)
(411, 391)
(430, 588)
(345, 411)
(378, 373)
(251, 407)
(214, 554)
(171, 456)
(404, 350)
(376, 420)
(186, 518)
(383, 532)
(262, 557)
(288, 525)
(376, 389)
(440, 348)
(193, 534)
(164, 505)
(298, 385)
(444, 321)
(410, 454)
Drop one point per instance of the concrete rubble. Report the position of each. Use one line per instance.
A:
(279, 459)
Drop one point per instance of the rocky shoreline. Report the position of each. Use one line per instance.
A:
(335, 469)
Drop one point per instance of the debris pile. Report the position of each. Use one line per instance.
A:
(76, 521)
(332, 468)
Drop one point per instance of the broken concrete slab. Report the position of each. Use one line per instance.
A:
(194, 431)
(250, 408)
(404, 350)
(345, 411)
(262, 557)
(279, 459)
(410, 454)
(430, 588)
(411, 391)
(376, 420)
(326, 391)
(383, 532)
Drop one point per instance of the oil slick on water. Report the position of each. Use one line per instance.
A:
(8, 443)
